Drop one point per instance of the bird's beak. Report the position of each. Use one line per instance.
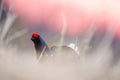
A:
(32, 39)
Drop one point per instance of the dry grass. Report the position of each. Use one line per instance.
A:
(14, 66)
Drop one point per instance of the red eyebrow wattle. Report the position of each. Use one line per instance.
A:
(35, 34)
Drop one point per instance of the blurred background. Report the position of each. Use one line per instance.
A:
(18, 22)
(91, 27)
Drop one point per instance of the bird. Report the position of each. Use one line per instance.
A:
(40, 45)
(64, 49)
(43, 49)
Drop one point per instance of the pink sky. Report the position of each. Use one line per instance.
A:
(77, 15)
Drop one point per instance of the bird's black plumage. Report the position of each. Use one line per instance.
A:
(40, 45)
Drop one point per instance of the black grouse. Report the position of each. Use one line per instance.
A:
(40, 45)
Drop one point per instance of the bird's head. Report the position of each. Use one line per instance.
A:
(35, 37)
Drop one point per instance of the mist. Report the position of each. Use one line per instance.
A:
(98, 57)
